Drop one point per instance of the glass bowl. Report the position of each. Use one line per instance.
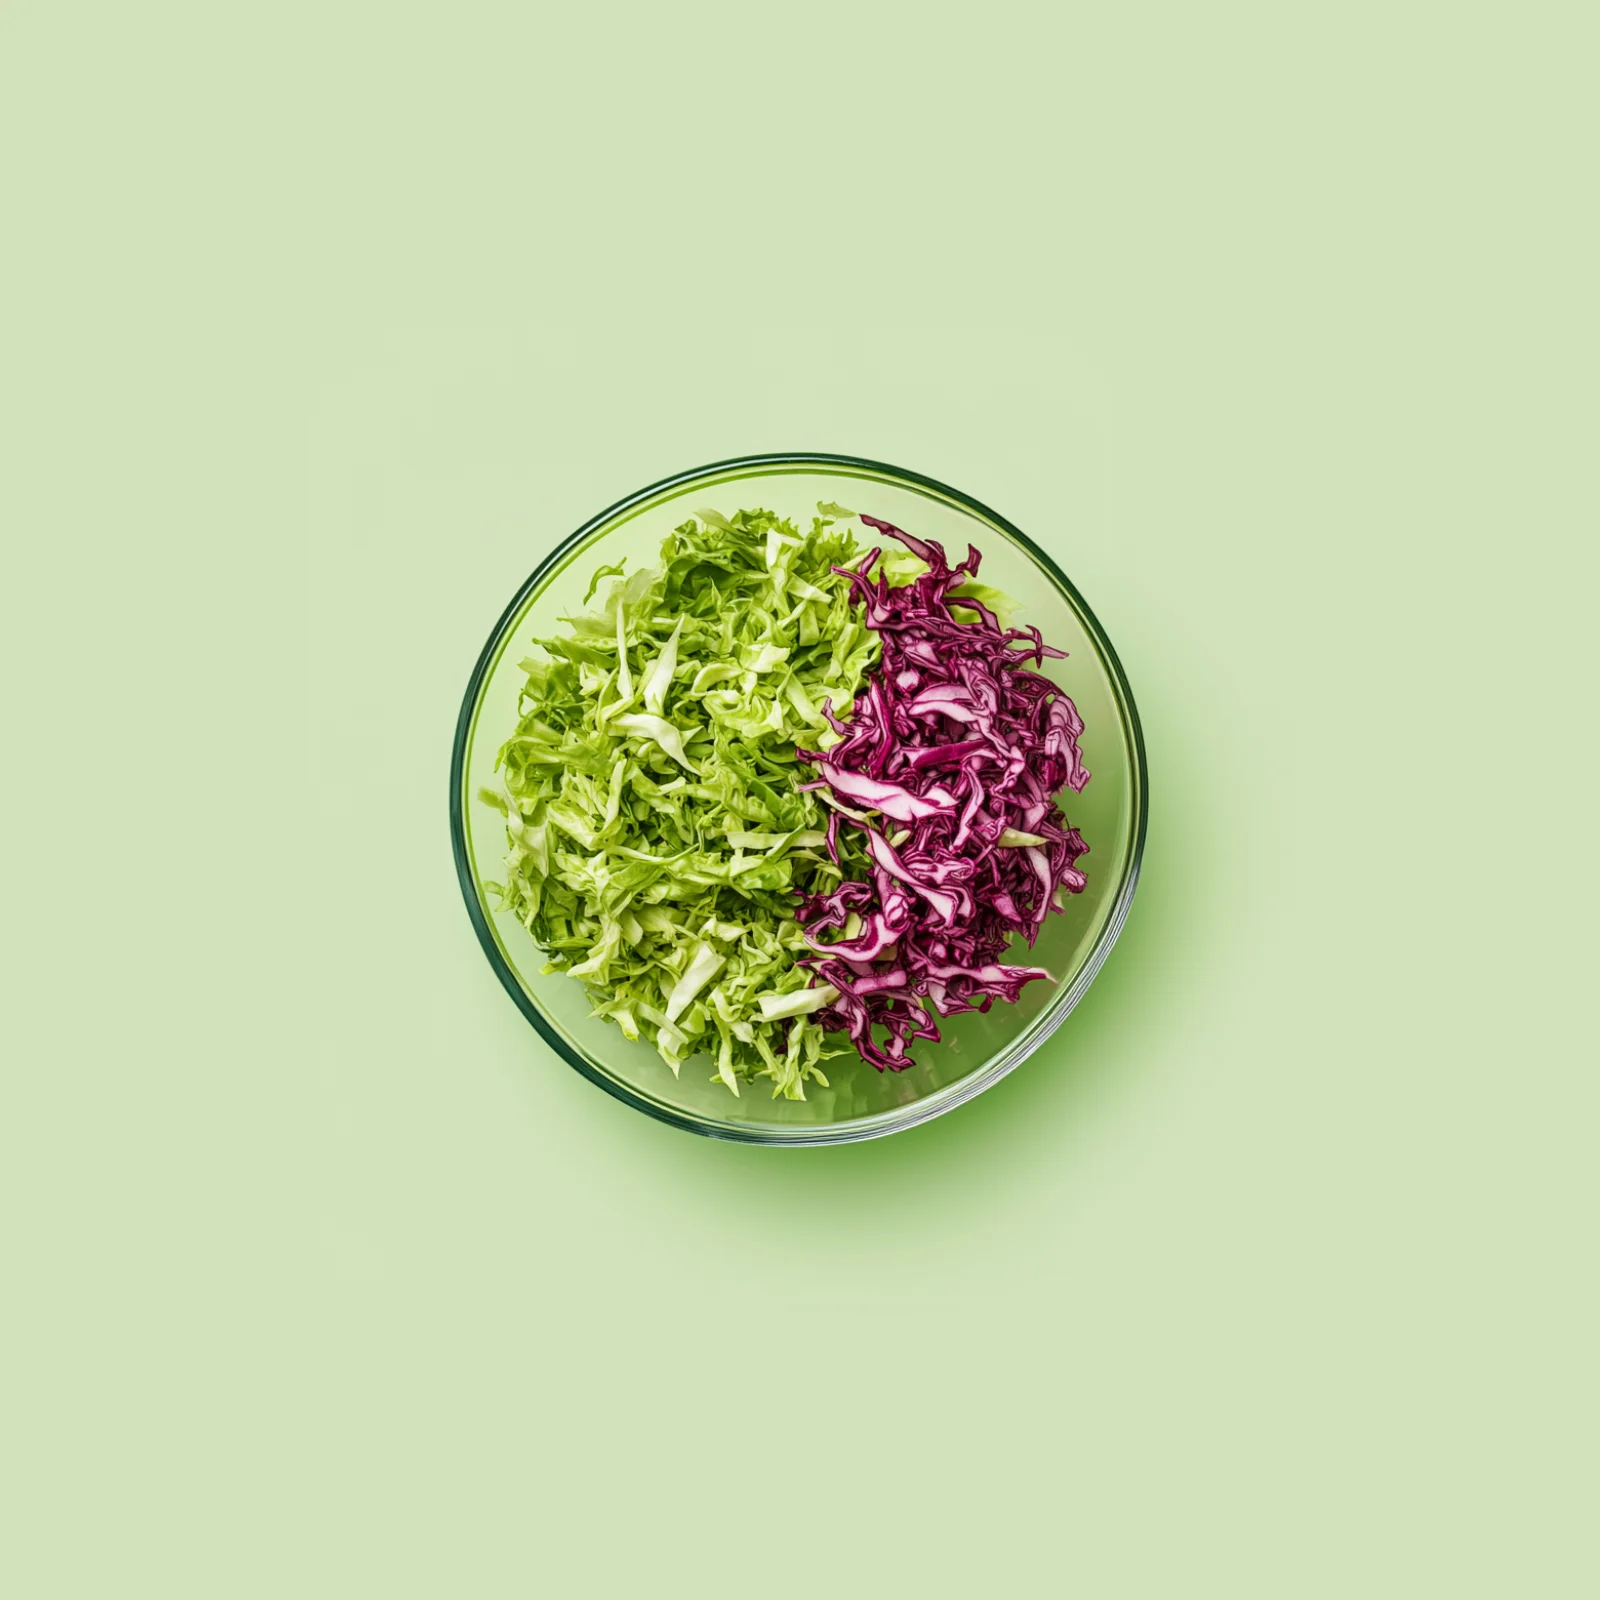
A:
(977, 1050)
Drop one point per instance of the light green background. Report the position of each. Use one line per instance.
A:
(1272, 1275)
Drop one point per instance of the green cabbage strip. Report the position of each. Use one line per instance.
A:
(656, 837)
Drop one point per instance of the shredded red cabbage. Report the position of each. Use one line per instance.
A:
(959, 749)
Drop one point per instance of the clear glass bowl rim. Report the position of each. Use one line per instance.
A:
(900, 1117)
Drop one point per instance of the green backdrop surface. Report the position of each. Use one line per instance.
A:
(1272, 1274)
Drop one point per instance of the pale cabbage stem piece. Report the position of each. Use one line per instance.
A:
(659, 678)
(624, 674)
(700, 971)
(797, 1003)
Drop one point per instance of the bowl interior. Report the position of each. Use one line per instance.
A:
(976, 1049)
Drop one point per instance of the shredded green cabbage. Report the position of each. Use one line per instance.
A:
(656, 837)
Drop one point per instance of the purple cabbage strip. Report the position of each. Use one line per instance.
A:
(954, 741)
